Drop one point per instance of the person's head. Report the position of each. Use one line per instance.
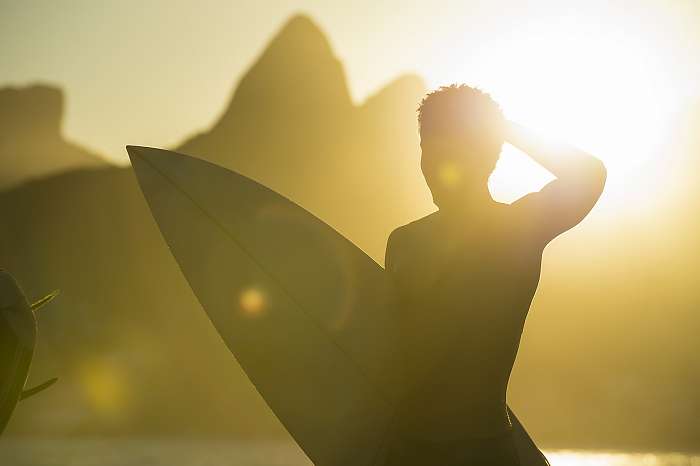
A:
(461, 132)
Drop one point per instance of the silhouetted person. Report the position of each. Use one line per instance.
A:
(466, 275)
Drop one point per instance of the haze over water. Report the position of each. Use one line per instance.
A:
(154, 452)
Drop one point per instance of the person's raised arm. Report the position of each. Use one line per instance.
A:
(564, 202)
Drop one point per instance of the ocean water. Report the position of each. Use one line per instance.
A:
(159, 452)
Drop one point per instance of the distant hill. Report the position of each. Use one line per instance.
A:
(134, 351)
(31, 143)
(299, 132)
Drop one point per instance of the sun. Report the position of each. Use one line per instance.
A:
(604, 89)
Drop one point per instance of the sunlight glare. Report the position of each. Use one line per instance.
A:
(605, 91)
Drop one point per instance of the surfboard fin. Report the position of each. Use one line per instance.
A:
(45, 300)
(39, 388)
(35, 306)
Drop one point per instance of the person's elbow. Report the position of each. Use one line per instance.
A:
(600, 174)
(596, 174)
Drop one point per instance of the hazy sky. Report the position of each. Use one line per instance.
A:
(153, 72)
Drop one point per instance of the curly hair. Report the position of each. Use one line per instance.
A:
(460, 110)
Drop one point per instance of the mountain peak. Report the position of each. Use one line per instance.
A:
(297, 70)
(408, 88)
(403, 94)
(299, 45)
(31, 143)
(304, 35)
(35, 109)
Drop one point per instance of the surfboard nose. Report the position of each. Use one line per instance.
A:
(141, 156)
(10, 292)
(133, 151)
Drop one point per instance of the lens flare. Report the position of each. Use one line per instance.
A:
(252, 301)
(449, 175)
(104, 388)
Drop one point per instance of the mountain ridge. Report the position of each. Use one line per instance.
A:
(31, 119)
(126, 317)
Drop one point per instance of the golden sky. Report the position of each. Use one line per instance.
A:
(608, 76)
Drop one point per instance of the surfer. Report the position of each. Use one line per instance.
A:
(466, 275)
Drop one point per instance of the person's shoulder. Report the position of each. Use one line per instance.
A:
(413, 228)
(529, 220)
(523, 201)
(410, 232)
(525, 207)
(404, 238)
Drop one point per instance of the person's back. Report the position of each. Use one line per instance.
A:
(466, 276)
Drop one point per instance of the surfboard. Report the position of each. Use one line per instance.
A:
(18, 331)
(307, 314)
